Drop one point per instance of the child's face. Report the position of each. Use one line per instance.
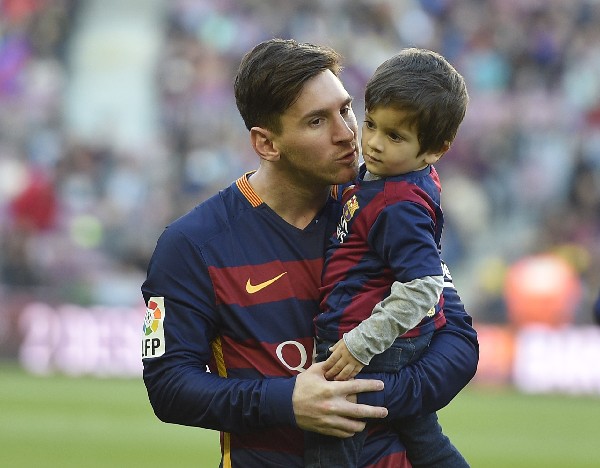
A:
(390, 145)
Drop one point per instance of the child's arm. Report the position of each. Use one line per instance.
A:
(407, 304)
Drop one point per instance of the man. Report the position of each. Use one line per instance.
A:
(233, 285)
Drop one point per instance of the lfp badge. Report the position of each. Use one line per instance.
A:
(153, 339)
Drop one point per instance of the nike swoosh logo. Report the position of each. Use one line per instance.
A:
(254, 288)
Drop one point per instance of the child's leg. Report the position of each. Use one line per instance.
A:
(426, 444)
(331, 452)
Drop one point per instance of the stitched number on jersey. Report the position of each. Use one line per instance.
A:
(153, 339)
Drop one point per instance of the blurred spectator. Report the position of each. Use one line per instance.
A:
(597, 310)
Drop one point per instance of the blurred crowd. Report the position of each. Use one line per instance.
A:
(79, 217)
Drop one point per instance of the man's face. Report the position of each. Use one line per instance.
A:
(318, 141)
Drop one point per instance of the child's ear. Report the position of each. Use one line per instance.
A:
(445, 147)
(432, 158)
(435, 157)
(262, 142)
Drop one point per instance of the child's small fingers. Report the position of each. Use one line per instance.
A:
(334, 371)
(344, 374)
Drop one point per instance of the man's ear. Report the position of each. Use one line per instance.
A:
(262, 142)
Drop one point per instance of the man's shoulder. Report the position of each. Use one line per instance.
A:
(210, 217)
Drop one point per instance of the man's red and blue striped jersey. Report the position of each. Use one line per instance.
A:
(234, 287)
(390, 230)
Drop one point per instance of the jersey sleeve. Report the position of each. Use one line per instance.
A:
(444, 369)
(403, 235)
(181, 390)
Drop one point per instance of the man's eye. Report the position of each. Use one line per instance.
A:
(316, 121)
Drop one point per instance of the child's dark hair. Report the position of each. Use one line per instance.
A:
(423, 84)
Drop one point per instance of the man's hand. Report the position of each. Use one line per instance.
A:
(329, 407)
(341, 365)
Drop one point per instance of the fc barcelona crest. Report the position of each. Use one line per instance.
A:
(350, 207)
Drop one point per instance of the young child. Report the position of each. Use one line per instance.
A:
(383, 275)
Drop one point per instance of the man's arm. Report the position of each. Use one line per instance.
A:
(443, 370)
(199, 398)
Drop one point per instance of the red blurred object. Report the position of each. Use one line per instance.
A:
(542, 289)
(35, 207)
(19, 10)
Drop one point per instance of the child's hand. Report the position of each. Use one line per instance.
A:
(341, 365)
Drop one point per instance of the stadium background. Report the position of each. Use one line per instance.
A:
(118, 116)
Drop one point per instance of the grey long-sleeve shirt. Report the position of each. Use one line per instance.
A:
(407, 304)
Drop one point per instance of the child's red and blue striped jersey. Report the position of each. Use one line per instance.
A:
(234, 287)
(390, 230)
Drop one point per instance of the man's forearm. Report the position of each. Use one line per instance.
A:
(194, 397)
